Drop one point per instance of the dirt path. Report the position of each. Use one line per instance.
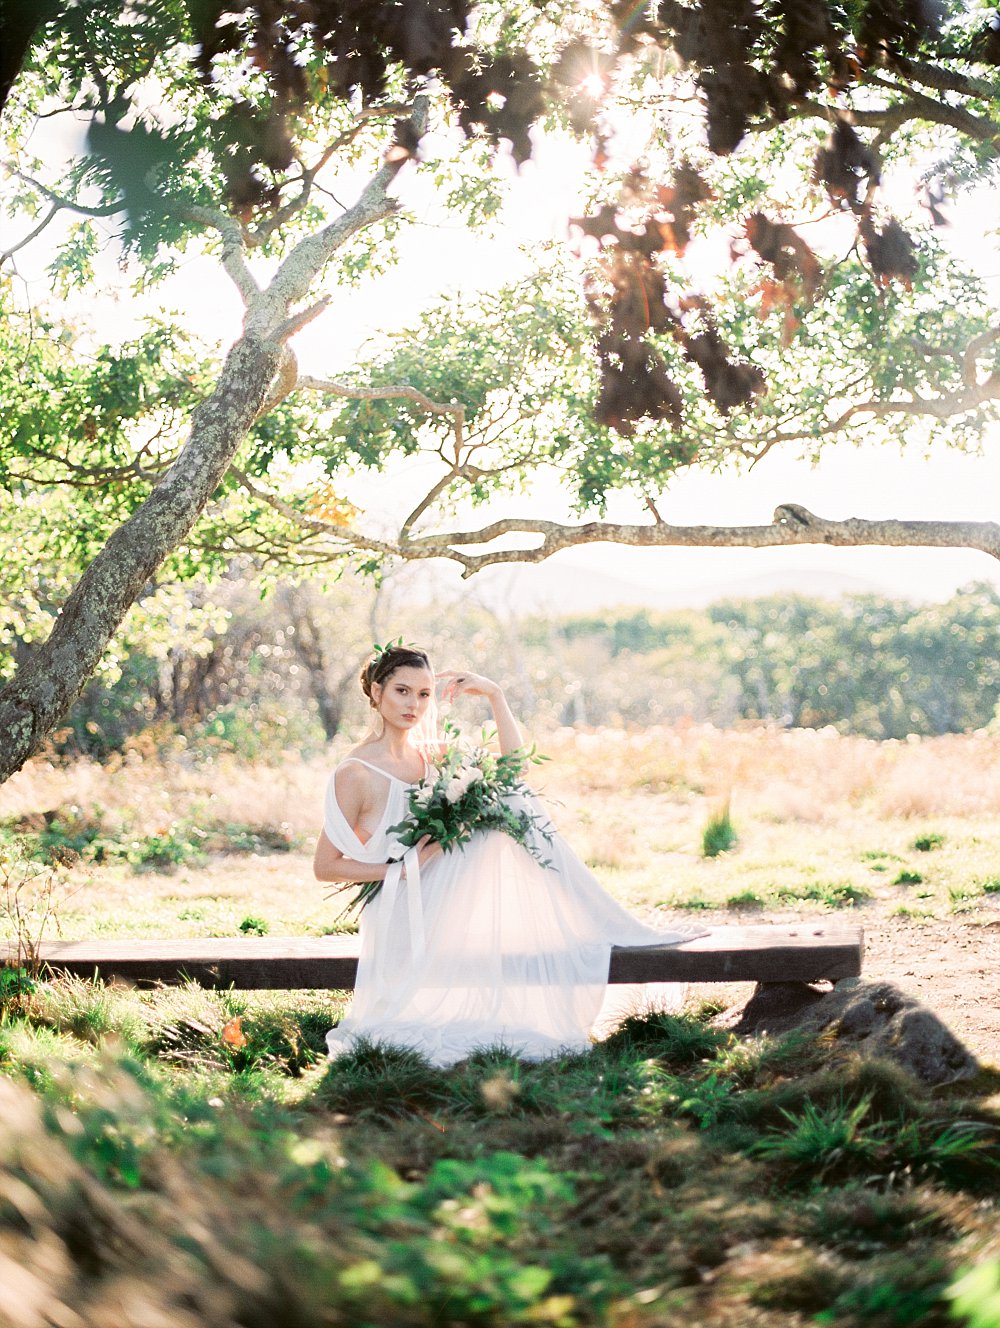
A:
(952, 966)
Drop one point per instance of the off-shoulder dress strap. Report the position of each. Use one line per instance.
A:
(378, 769)
(368, 766)
(342, 834)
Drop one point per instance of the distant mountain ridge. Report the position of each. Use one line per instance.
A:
(521, 591)
(559, 589)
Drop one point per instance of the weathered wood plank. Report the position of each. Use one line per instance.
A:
(806, 952)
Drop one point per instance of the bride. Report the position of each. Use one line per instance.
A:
(479, 947)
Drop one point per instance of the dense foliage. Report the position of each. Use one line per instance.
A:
(867, 665)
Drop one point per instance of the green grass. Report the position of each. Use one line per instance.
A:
(928, 842)
(831, 894)
(656, 858)
(254, 926)
(746, 899)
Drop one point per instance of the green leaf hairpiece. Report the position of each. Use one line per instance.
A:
(389, 645)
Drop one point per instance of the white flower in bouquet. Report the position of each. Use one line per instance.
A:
(459, 784)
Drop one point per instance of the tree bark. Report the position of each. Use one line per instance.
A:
(55, 672)
(792, 524)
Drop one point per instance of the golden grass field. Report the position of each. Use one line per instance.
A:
(825, 823)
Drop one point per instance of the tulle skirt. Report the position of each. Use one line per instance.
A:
(509, 953)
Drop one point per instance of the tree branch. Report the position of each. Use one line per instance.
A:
(939, 408)
(973, 394)
(349, 538)
(949, 80)
(973, 350)
(300, 320)
(27, 239)
(100, 210)
(260, 233)
(284, 382)
(310, 255)
(428, 500)
(939, 112)
(914, 105)
(233, 246)
(384, 393)
(59, 204)
(792, 524)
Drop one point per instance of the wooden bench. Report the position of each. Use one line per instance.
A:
(806, 952)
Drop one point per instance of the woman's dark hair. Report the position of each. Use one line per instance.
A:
(387, 661)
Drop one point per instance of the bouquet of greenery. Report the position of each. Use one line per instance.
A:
(465, 791)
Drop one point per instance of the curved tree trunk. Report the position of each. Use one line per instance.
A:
(54, 673)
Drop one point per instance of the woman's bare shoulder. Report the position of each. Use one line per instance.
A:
(361, 750)
(351, 776)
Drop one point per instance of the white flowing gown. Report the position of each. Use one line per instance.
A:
(487, 947)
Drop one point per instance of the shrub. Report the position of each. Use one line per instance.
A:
(895, 1292)
(15, 984)
(746, 899)
(167, 848)
(88, 1010)
(908, 877)
(925, 843)
(822, 1139)
(674, 1040)
(374, 1078)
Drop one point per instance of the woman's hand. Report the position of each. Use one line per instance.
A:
(461, 682)
(427, 850)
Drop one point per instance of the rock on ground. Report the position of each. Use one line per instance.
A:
(875, 1017)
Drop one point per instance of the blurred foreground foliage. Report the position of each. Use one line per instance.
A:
(255, 677)
(185, 1156)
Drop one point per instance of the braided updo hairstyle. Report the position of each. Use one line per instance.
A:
(380, 668)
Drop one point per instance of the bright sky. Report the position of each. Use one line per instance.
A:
(850, 480)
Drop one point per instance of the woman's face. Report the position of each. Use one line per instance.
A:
(404, 696)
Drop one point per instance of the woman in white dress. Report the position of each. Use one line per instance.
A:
(482, 946)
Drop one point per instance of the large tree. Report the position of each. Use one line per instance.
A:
(236, 127)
